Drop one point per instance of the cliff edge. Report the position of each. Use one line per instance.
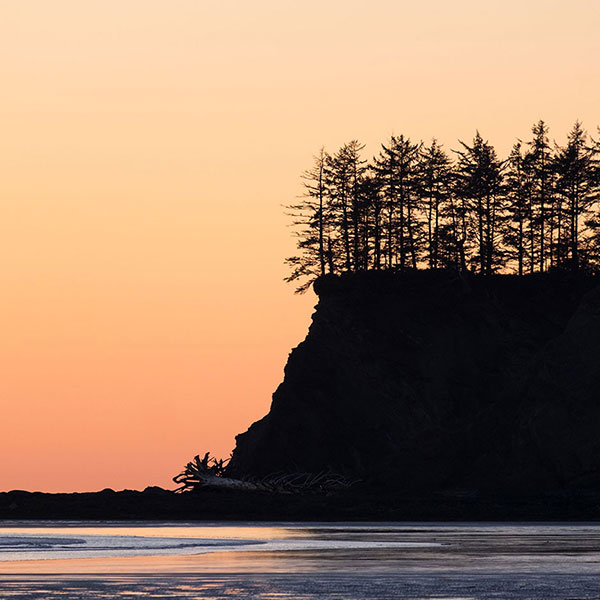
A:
(428, 381)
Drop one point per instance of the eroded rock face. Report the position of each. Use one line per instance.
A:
(430, 381)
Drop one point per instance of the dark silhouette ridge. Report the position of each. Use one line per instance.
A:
(439, 381)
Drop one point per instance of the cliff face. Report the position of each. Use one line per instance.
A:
(426, 381)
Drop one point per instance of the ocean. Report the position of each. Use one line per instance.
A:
(300, 561)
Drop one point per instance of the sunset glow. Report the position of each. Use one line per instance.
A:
(147, 149)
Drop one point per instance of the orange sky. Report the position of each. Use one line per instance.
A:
(146, 148)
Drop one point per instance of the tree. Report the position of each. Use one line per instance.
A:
(312, 217)
(518, 206)
(408, 224)
(573, 166)
(435, 178)
(593, 222)
(396, 171)
(386, 175)
(540, 162)
(372, 210)
(479, 176)
(345, 170)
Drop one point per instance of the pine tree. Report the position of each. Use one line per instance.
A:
(435, 178)
(385, 168)
(593, 222)
(517, 206)
(575, 187)
(479, 176)
(372, 210)
(345, 170)
(311, 220)
(540, 162)
(396, 169)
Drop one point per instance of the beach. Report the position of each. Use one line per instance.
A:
(73, 560)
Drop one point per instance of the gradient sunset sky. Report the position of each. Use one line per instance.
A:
(146, 150)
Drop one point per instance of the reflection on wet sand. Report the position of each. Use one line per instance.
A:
(323, 562)
(466, 586)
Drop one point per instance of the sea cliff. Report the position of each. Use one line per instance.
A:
(438, 382)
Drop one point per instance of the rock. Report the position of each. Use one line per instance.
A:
(430, 381)
(156, 490)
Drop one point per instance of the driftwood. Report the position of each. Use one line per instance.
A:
(208, 472)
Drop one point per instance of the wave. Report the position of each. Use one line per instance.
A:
(36, 547)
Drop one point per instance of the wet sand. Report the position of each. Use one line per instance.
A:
(531, 562)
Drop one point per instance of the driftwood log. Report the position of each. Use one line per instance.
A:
(209, 472)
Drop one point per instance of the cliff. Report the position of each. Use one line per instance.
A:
(428, 381)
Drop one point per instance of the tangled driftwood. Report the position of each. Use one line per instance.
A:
(209, 472)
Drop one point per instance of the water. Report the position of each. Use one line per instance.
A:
(299, 561)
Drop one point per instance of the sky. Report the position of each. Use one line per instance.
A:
(146, 150)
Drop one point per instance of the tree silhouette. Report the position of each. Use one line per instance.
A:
(311, 223)
(575, 187)
(541, 167)
(413, 206)
(435, 181)
(518, 207)
(396, 168)
(479, 176)
(345, 170)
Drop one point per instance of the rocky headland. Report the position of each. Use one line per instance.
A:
(444, 396)
(430, 382)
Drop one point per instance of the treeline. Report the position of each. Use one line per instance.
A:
(418, 206)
